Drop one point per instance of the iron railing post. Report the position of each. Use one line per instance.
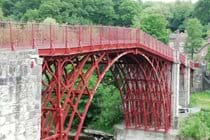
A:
(33, 40)
(109, 36)
(11, 37)
(91, 35)
(100, 34)
(66, 37)
(137, 37)
(79, 37)
(51, 37)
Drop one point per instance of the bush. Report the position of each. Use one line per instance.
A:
(110, 112)
(105, 110)
(197, 126)
(201, 99)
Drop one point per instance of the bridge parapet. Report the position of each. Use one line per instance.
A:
(65, 39)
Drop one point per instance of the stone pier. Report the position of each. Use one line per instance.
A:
(20, 95)
(175, 81)
(121, 133)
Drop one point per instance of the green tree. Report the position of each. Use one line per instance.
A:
(103, 12)
(23, 5)
(126, 10)
(158, 8)
(106, 104)
(49, 9)
(0, 3)
(207, 30)
(17, 8)
(207, 58)
(1, 14)
(180, 12)
(110, 112)
(8, 6)
(202, 11)
(195, 31)
(153, 24)
(30, 15)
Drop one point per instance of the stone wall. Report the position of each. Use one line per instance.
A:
(184, 90)
(20, 95)
(183, 98)
(121, 133)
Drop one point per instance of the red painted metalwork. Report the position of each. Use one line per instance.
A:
(196, 65)
(145, 93)
(67, 40)
(145, 90)
(182, 58)
(74, 54)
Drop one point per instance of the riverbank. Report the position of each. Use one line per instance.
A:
(197, 126)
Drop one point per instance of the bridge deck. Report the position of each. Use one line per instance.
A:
(53, 40)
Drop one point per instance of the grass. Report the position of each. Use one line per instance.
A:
(197, 126)
(201, 99)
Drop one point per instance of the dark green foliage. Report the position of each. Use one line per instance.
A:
(30, 15)
(49, 9)
(180, 12)
(195, 31)
(202, 11)
(17, 8)
(105, 12)
(1, 14)
(153, 24)
(126, 10)
(105, 108)
(8, 6)
(197, 126)
(109, 103)
(207, 57)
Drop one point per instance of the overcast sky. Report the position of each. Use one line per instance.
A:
(169, 0)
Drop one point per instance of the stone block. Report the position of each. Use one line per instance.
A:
(20, 95)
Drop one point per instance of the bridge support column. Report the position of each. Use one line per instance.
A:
(175, 90)
(184, 95)
(185, 98)
(188, 79)
(20, 95)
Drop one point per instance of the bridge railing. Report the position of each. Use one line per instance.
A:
(42, 36)
(155, 45)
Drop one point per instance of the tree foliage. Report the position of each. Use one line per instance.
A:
(153, 24)
(180, 12)
(197, 126)
(106, 12)
(109, 112)
(202, 11)
(17, 8)
(126, 11)
(158, 8)
(195, 31)
(1, 14)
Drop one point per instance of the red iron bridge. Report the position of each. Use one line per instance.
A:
(142, 69)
